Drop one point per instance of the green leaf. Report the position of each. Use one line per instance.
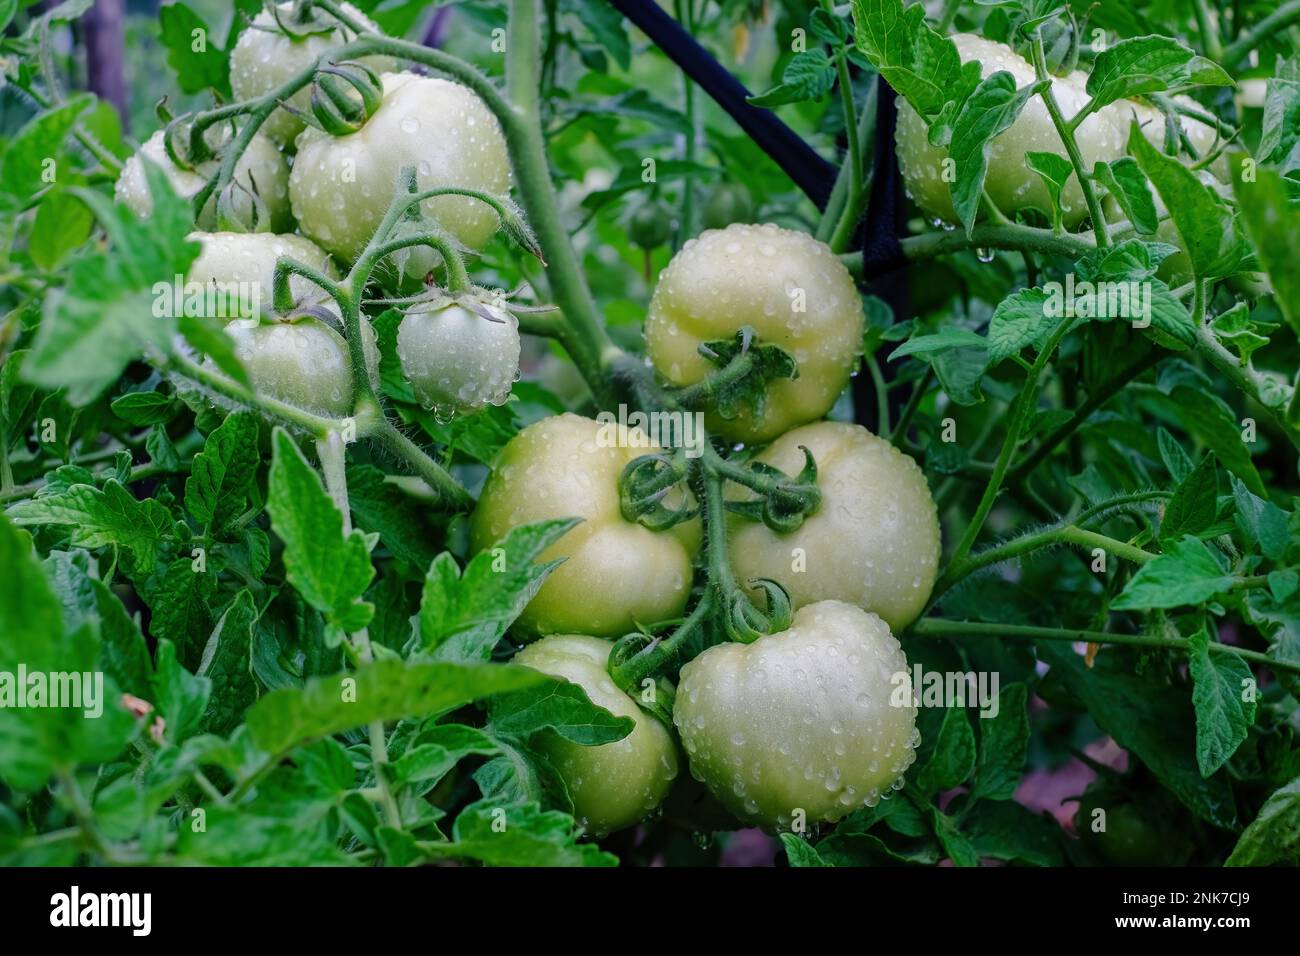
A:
(1020, 320)
(227, 662)
(1176, 461)
(1004, 745)
(207, 337)
(941, 341)
(329, 570)
(518, 836)
(808, 76)
(464, 615)
(1223, 714)
(1279, 620)
(180, 697)
(95, 518)
(399, 520)
(923, 66)
(144, 408)
(1125, 181)
(1272, 220)
(441, 747)
(987, 113)
(1280, 127)
(1194, 505)
(560, 706)
(1274, 835)
(62, 224)
(953, 758)
(1055, 171)
(1151, 720)
(1005, 830)
(1150, 64)
(35, 151)
(224, 474)
(191, 50)
(1263, 524)
(799, 852)
(1204, 223)
(385, 690)
(178, 597)
(1187, 573)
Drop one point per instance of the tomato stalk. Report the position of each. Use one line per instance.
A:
(1066, 132)
(941, 627)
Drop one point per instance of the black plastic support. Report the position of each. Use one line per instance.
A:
(809, 171)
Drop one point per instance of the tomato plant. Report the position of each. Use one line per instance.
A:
(831, 434)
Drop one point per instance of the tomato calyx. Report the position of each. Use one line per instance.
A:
(341, 111)
(304, 21)
(745, 623)
(645, 483)
(783, 502)
(745, 366)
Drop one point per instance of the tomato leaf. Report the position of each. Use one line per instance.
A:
(1150, 64)
(1222, 696)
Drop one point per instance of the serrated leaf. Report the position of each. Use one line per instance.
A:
(560, 706)
(953, 757)
(1150, 64)
(386, 690)
(1194, 504)
(1003, 747)
(1274, 835)
(1124, 180)
(227, 662)
(987, 113)
(1020, 320)
(1220, 685)
(223, 474)
(808, 76)
(329, 570)
(1055, 171)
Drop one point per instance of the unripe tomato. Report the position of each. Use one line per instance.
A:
(341, 186)
(1011, 184)
(790, 288)
(726, 203)
(248, 259)
(1200, 135)
(1130, 837)
(873, 542)
(617, 784)
(617, 573)
(266, 58)
(650, 226)
(457, 360)
(809, 719)
(261, 163)
(303, 362)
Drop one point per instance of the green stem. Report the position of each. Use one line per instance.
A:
(882, 394)
(138, 473)
(1209, 31)
(1066, 134)
(1019, 417)
(940, 627)
(1072, 534)
(1272, 25)
(433, 474)
(682, 9)
(1010, 237)
(1099, 397)
(848, 219)
(898, 434)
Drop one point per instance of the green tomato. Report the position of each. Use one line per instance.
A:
(617, 784)
(1130, 837)
(650, 225)
(266, 58)
(616, 573)
(302, 362)
(805, 725)
(790, 288)
(1011, 184)
(457, 360)
(874, 540)
(247, 259)
(726, 203)
(341, 186)
(261, 162)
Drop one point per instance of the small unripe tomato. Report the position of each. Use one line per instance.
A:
(617, 784)
(261, 163)
(616, 573)
(874, 540)
(726, 203)
(790, 288)
(650, 226)
(1011, 184)
(247, 260)
(341, 186)
(805, 725)
(457, 360)
(303, 362)
(265, 58)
